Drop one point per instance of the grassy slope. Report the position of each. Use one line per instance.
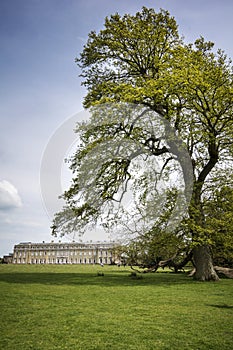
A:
(70, 307)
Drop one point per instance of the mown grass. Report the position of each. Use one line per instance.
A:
(71, 307)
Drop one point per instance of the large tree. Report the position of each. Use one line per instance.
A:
(141, 59)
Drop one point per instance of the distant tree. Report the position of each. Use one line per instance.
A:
(219, 219)
(159, 250)
(140, 59)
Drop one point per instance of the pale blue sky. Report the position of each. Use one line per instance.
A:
(40, 87)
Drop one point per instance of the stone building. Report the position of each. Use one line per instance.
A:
(8, 259)
(65, 253)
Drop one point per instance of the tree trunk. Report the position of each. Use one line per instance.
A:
(203, 264)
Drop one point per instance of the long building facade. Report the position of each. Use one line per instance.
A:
(65, 253)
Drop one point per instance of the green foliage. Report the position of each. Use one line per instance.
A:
(219, 212)
(120, 63)
(150, 249)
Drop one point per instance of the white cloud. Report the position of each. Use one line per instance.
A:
(9, 197)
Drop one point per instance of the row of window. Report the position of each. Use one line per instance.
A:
(64, 253)
(62, 261)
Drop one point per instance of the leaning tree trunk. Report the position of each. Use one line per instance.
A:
(203, 264)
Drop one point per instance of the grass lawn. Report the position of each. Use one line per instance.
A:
(70, 307)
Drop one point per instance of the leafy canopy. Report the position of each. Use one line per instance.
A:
(141, 60)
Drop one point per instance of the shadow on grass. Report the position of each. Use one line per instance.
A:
(222, 306)
(87, 278)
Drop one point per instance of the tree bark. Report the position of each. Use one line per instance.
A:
(227, 272)
(203, 264)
